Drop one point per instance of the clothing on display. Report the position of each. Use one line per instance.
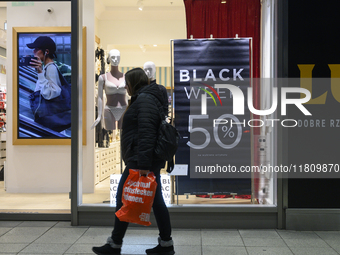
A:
(110, 111)
(116, 111)
(100, 56)
(2, 111)
(102, 136)
(113, 90)
(2, 173)
(115, 87)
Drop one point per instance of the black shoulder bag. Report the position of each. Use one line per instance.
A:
(54, 113)
(167, 142)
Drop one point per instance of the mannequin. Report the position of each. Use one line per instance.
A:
(150, 70)
(113, 83)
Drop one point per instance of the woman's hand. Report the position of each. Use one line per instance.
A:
(37, 64)
(144, 172)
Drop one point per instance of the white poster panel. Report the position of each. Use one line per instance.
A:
(114, 181)
(166, 188)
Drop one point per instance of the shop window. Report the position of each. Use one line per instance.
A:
(255, 190)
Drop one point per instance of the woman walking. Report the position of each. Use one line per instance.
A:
(139, 133)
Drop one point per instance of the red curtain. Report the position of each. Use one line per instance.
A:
(242, 17)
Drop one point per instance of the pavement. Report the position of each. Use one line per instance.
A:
(57, 238)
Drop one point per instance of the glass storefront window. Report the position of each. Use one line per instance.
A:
(146, 41)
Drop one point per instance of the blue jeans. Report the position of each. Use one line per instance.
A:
(159, 208)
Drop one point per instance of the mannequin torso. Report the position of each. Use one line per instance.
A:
(113, 83)
(114, 89)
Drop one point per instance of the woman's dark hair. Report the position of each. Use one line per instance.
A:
(51, 54)
(136, 79)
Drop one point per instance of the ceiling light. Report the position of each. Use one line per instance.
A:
(155, 45)
(140, 5)
(223, 1)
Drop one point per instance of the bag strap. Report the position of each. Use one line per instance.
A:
(159, 111)
(159, 108)
(61, 77)
(171, 163)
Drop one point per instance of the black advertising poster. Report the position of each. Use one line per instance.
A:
(214, 141)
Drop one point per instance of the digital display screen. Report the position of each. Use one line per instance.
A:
(44, 90)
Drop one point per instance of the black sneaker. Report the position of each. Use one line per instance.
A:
(163, 248)
(160, 250)
(106, 249)
(109, 248)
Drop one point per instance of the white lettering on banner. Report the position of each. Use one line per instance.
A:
(237, 74)
(210, 75)
(114, 181)
(219, 92)
(195, 92)
(184, 75)
(194, 76)
(166, 188)
(192, 90)
(221, 74)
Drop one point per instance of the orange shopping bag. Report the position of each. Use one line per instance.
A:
(138, 194)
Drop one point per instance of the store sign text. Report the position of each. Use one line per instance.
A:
(306, 82)
(223, 74)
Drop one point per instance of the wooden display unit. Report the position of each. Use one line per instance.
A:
(107, 161)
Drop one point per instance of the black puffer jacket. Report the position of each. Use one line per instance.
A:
(140, 126)
(165, 105)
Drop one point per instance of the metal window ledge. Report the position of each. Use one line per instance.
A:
(194, 216)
